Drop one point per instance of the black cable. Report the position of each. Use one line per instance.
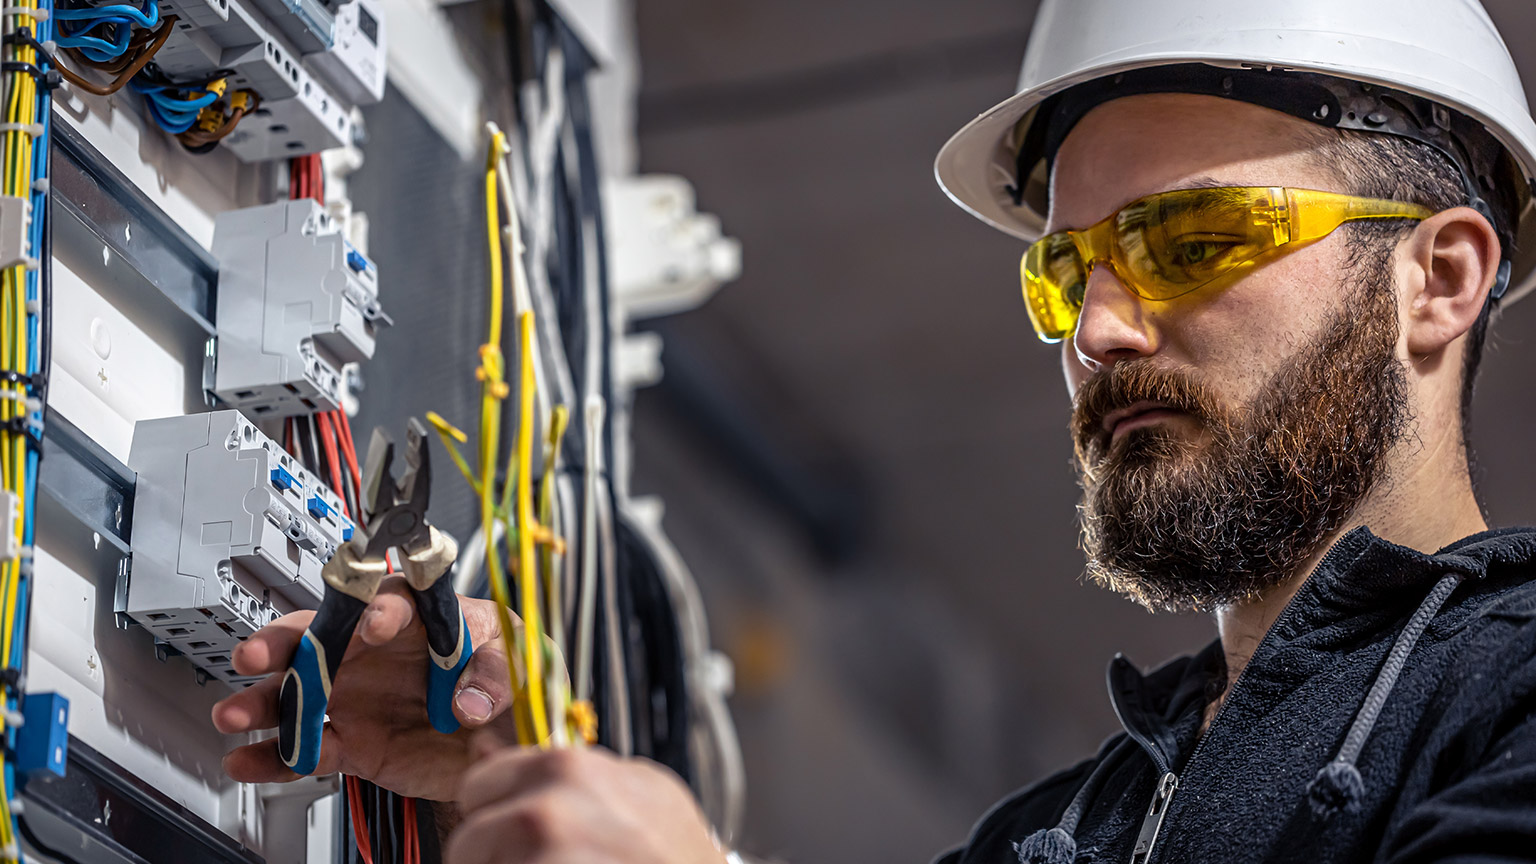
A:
(318, 448)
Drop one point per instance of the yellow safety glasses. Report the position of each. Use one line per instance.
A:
(1170, 244)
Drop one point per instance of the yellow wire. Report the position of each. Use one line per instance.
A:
(492, 390)
(20, 109)
(527, 575)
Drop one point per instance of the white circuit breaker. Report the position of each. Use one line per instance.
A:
(354, 65)
(229, 532)
(298, 114)
(296, 302)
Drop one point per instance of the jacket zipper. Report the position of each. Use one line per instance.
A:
(1146, 841)
(1162, 796)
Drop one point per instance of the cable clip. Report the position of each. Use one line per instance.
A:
(24, 426)
(31, 382)
(50, 80)
(13, 679)
(34, 14)
(31, 403)
(33, 129)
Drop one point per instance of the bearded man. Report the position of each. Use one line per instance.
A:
(1269, 239)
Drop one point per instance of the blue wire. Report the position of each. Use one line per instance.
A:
(95, 47)
(174, 126)
(148, 17)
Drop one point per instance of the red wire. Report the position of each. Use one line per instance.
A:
(336, 434)
(412, 842)
(349, 449)
(328, 442)
(317, 184)
(359, 824)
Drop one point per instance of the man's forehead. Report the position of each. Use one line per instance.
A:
(1140, 145)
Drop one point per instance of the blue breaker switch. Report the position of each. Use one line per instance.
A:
(42, 742)
(356, 261)
(346, 531)
(319, 509)
(283, 480)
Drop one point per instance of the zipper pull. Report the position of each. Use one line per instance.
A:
(1153, 823)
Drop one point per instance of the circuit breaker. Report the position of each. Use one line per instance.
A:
(229, 532)
(296, 302)
(354, 65)
(298, 114)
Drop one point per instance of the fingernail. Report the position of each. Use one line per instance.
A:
(473, 703)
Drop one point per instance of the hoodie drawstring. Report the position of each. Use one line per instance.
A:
(1057, 845)
(1338, 786)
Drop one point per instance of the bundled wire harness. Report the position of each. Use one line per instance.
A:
(120, 40)
(25, 340)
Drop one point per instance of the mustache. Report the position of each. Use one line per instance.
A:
(1124, 384)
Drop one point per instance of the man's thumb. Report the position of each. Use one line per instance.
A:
(485, 688)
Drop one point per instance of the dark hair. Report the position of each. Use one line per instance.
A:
(1390, 166)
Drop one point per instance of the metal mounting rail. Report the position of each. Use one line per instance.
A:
(148, 253)
(100, 814)
(87, 482)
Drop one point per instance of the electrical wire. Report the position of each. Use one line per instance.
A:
(126, 74)
(26, 306)
(543, 711)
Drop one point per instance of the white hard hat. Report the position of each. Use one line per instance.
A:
(1326, 60)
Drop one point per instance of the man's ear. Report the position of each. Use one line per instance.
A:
(1453, 258)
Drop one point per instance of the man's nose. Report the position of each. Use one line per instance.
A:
(1115, 324)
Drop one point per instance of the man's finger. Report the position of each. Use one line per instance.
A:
(485, 688)
(515, 772)
(257, 763)
(269, 649)
(249, 710)
(260, 762)
(389, 615)
(514, 832)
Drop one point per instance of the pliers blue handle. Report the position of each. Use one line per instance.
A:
(448, 639)
(350, 585)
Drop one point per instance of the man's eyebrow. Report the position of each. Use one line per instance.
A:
(1201, 182)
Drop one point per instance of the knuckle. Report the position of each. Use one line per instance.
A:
(562, 765)
(540, 824)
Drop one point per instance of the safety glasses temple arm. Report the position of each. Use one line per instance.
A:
(1315, 215)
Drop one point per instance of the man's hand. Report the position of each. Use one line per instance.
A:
(378, 727)
(528, 806)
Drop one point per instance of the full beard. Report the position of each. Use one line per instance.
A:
(1197, 522)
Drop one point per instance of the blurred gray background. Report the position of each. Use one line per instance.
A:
(862, 446)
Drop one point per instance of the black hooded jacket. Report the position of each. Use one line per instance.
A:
(1388, 716)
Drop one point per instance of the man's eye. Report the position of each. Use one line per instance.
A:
(1194, 252)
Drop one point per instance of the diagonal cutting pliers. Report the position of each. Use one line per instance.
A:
(395, 517)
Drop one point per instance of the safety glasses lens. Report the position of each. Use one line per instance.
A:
(1171, 244)
(1054, 282)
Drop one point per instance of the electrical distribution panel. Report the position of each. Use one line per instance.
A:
(229, 532)
(296, 302)
(269, 50)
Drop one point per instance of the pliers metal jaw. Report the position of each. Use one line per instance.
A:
(395, 516)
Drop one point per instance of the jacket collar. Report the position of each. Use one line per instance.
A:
(1360, 573)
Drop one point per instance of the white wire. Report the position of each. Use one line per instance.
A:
(618, 675)
(589, 548)
(706, 695)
